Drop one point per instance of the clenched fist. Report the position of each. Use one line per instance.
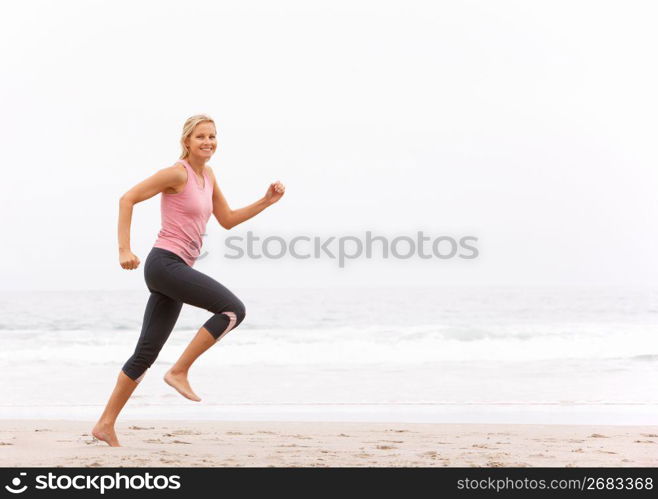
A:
(128, 260)
(275, 192)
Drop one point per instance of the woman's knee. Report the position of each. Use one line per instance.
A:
(233, 307)
(226, 319)
(240, 312)
(236, 312)
(136, 367)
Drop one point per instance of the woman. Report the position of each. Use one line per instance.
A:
(189, 195)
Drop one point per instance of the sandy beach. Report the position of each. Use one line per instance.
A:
(57, 443)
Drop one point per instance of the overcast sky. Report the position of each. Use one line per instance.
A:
(529, 125)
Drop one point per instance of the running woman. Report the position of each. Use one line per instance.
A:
(189, 195)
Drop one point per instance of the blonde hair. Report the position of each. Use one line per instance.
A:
(188, 128)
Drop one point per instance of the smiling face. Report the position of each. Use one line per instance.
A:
(202, 143)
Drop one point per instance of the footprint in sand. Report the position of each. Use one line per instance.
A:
(597, 435)
(181, 442)
(7, 443)
(43, 429)
(141, 428)
(644, 442)
(91, 441)
(650, 435)
(343, 435)
(386, 447)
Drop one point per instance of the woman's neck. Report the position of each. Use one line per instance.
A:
(197, 164)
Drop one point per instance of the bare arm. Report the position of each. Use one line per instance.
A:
(229, 218)
(146, 189)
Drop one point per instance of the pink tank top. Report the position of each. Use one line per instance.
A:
(184, 217)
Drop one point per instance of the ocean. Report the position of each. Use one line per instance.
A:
(455, 355)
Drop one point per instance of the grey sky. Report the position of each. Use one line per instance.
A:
(530, 125)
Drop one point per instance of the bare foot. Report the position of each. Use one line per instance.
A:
(180, 383)
(105, 432)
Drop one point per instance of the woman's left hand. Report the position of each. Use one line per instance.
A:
(275, 192)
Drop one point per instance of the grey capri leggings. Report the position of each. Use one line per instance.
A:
(172, 282)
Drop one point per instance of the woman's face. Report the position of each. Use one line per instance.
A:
(203, 141)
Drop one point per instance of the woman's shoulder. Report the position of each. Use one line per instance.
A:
(174, 177)
(177, 170)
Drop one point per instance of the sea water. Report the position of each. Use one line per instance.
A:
(485, 354)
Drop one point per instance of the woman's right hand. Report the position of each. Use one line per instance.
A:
(128, 260)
